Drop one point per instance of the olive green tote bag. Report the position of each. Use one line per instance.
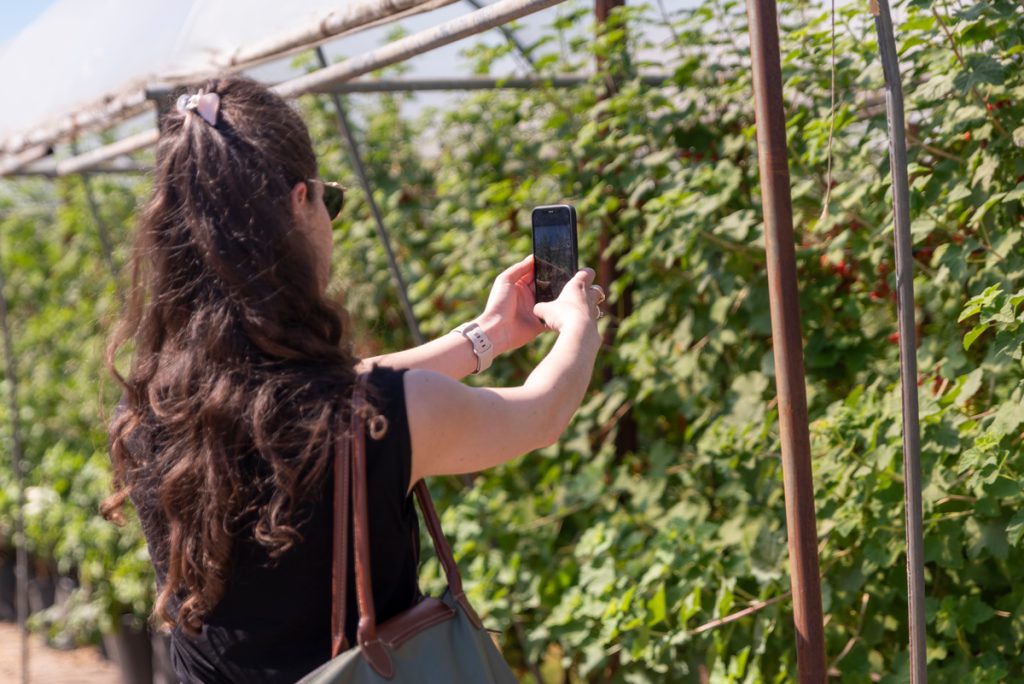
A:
(438, 640)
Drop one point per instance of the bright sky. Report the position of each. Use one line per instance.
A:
(17, 14)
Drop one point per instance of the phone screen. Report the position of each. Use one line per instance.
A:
(554, 249)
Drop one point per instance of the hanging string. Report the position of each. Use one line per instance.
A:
(831, 123)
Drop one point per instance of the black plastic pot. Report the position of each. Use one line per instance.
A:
(42, 586)
(42, 590)
(131, 649)
(8, 587)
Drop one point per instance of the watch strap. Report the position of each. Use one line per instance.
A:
(483, 348)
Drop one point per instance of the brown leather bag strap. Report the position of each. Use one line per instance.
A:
(366, 635)
(444, 552)
(354, 461)
(339, 566)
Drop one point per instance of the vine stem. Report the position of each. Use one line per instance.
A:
(831, 122)
(749, 610)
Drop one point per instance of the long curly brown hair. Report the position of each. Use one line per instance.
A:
(239, 361)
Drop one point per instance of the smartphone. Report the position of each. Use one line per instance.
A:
(555, 254)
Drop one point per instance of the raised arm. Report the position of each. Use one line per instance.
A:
(460, 429)
(507, 320)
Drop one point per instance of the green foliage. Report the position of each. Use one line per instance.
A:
(611, 562)
(63, 303)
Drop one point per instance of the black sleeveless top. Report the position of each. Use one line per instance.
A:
(273, 622)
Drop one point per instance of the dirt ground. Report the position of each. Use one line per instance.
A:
(50, 666)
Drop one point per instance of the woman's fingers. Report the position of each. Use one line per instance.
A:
(518, 271)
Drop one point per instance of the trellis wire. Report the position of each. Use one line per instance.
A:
(101, 225)
(908, 341)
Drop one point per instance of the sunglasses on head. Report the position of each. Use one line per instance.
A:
(334, 196)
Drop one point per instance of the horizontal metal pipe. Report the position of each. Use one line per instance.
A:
(92, 158)
(411, 85)
(11, 164)
(51, 171)
(473, 83)
(355, 17)
(117, 108)
(325, 80)
(501, 12)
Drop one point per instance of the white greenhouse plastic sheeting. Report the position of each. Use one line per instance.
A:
(79, 52)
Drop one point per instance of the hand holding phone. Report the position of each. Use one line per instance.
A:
(555, 250)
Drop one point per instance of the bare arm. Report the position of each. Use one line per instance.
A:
(450, 355)
(460, 429)
(507, 320)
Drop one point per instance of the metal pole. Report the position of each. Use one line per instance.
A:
(357, 15)
(325, 80)
(353, 17)
(418, 43)
(511, 37)
(101, 226)
(14, 162)
(17, 456)
(772, 156)
(92, 158)
(621, 307)
(382, 233)
(50, 172)
(410, 85)
(908, 342)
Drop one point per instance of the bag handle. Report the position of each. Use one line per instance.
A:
(339, 564)
(351, 458)
(444, 552)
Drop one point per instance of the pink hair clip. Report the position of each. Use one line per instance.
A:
(206, 104)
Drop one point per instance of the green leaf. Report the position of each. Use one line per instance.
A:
(689, 607)
(970, 386)
(973, 334)
(656, 609)
(1015, 529)
(982, 70)
(1018, 136)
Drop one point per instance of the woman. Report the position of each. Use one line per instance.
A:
(223, 438)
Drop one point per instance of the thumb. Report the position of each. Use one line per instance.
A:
(542, 310)
(518, 271)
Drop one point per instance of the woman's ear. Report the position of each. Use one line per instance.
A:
(300, 199)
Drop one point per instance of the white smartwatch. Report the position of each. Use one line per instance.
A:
(483, 348)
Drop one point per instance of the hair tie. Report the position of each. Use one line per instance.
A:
(206, 104)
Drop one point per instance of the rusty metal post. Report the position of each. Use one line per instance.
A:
(773, 162)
